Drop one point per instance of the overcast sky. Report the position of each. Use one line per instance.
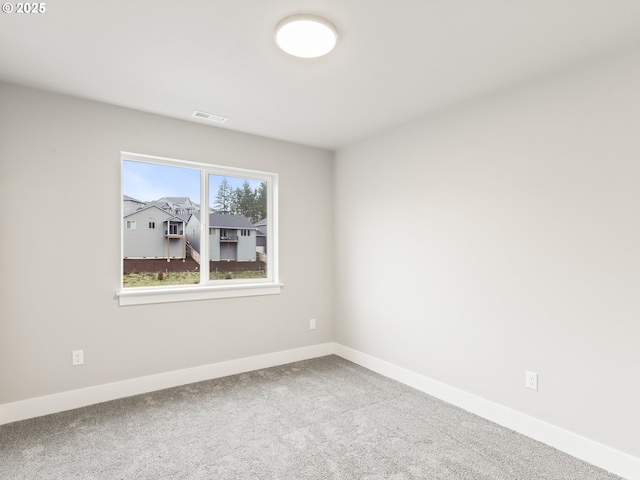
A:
(147, 181)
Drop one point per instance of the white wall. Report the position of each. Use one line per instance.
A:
(522, 248)
(60, 248)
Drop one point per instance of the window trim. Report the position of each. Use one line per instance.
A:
(207, 289)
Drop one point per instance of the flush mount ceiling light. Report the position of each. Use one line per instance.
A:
(306, 36)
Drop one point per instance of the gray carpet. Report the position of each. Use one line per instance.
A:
(324, 418)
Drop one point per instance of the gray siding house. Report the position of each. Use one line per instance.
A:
(163, 205)
(182, 206)
(231, 237)
(261, 235)
(152, 232)
(130, 204)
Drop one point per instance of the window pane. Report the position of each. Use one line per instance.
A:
(238, 228)
(164, 198)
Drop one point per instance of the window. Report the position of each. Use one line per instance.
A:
(187, 258)
(174, 229)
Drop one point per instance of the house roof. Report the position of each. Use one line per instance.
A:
(181, 218)
(177, 200)
(218, 220)
(127, 197)
(261, 227)
(229, 221)
(148, 207)
(160, 204)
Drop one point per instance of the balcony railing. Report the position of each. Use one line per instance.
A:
(229, 237)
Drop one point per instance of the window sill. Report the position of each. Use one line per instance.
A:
(145, 296)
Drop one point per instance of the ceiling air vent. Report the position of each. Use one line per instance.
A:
(209, 116)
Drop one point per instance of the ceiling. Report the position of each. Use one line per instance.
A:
(396, 60)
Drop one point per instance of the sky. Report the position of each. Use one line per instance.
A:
(148, 181)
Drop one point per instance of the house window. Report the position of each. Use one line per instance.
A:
(180, 261)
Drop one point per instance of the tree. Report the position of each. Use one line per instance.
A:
(251, 203)
(245, 199)
(224, 198)
(260, 211)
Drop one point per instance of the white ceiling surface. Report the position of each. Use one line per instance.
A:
(396, 60)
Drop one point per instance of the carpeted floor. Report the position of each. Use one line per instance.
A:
(324, 418)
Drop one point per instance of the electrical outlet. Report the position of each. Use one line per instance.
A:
(312, 324)
(77, 357)
(531, 380)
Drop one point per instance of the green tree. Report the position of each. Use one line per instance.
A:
(260, 205)
(245, 200)
(224, 198)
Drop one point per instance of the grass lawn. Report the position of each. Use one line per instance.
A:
(151, 279)
(233, 275)
(183, 278)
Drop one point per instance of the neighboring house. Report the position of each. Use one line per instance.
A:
(163, 205)
(181, 205)
(231, 237)
(261, 235)
(152, 232)
(130, 204)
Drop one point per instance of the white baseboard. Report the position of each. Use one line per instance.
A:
(59, 402)
(590, 451)
(580, 447)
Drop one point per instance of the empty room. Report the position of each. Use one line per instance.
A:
(337, 239)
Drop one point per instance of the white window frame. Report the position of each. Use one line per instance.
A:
(207, 289)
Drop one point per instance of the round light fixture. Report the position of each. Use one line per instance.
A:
(306, 36)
